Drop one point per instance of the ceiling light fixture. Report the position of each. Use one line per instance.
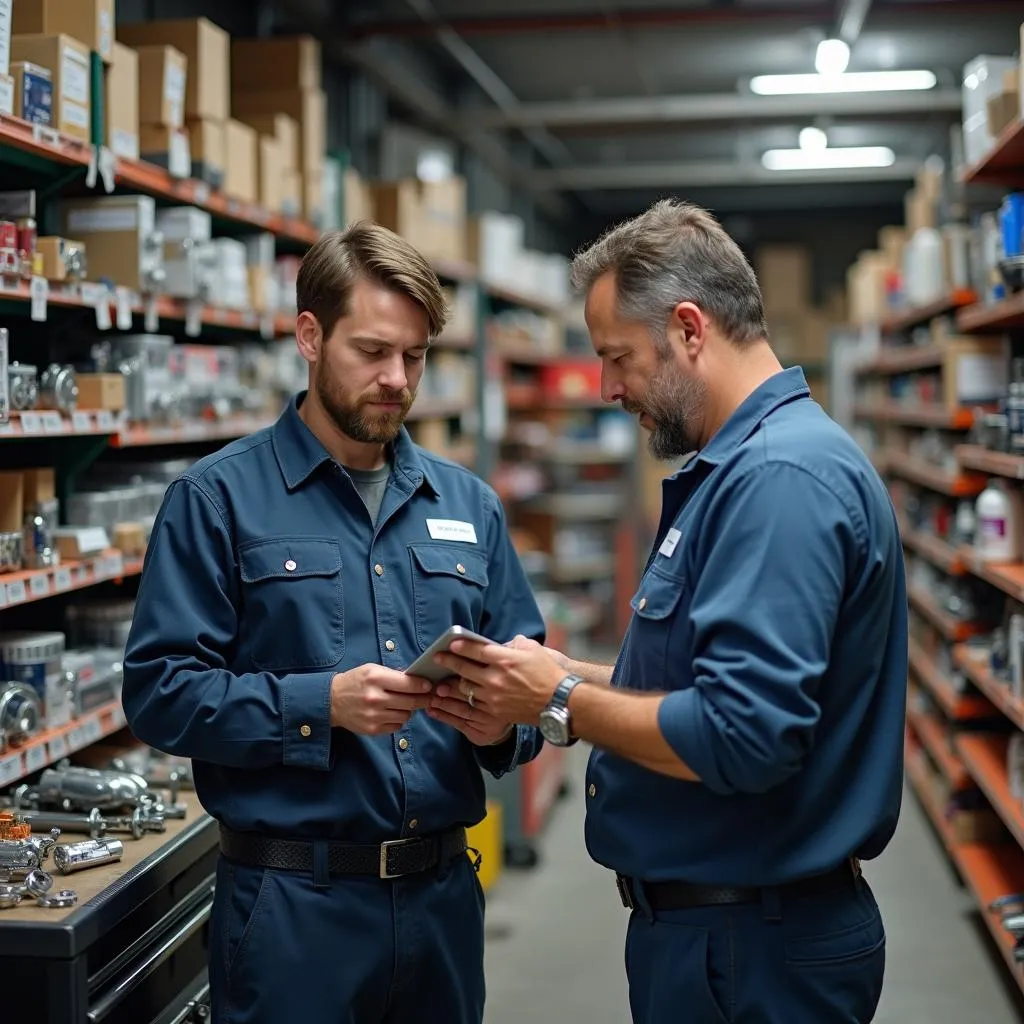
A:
(832, 57)
(845, 158)
(813, 139)
(853, 81)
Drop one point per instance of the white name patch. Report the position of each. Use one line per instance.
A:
(668, 545)
(451, 529)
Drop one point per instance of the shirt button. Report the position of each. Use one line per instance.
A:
(460, 569)
(305, 730)
(403, 744)
(643, 603)
(390, 644)
(290, 565)
(379, 569)
(592, 790)
(413, 823)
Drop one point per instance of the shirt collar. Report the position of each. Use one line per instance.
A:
(300, 453)
(777, 390)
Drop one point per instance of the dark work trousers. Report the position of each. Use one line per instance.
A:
(363, 951)
(813, 960)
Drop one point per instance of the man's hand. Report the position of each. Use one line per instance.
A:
(524, 643)
(373, 700)
(508, 683)
(451, 706)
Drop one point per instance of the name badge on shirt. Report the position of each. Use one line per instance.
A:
(668, 545)
(451, 529)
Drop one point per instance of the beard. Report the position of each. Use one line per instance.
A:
(675, 404)
(353, 417)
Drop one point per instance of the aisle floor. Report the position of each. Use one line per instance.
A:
(555, 934)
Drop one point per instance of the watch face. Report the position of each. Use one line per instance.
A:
(554, 726)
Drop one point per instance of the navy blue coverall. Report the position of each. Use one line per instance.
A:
(774, 613)
(264, 577)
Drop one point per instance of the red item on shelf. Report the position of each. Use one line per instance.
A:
(571, 379)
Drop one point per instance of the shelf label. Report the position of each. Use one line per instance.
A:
(39, 585)
(31, 423)
(267, 326)
(202, 193)
(123, 300)
(3, 597)
(62, 579)
(110, 566)
(118, 717)
(16, 592)
(152, 315)
(193, 318)
(92, 729)
(6, 428)
(106, 421)
(57, 747)
(11, 769)
(35, 758)
(53, 422)
(39, 293)
(81, 423)
(76, 739)
(81, 574)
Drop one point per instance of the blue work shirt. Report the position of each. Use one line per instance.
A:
(264, 577)
(773, 612)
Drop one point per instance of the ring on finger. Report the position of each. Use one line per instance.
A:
(471, 696)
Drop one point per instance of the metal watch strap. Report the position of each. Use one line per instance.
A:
(560, 698)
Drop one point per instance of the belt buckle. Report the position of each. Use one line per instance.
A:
(384, 847)
(625, 893)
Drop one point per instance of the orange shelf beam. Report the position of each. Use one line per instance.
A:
(922, 314)
(37, 584)
(959, 707)
(935, 550)
(984, 758)
(956, 485)
(917, 415)
(982, 460)
(993, 318)
(936, 741)
(951, 628)
(1007, 577)
(1003, 164)
(974, 666)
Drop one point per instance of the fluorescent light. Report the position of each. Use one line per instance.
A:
(832, 57)
(828, 159)
(813, 139)
(853, 81)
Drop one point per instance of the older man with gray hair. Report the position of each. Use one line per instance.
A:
(748, 741)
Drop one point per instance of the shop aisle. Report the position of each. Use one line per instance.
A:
(556, 934)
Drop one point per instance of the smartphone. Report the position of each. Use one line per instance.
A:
(425, 666)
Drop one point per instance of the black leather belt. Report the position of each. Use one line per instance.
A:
(390, 859)
(686, 895)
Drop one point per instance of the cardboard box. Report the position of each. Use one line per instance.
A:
(101, 391)
(308, 107)
(7, 99)
(167, 148)
(206, 140)
(89, 21)
(208, 50)
(920, 210)
(5, 36)
(55, 253)
(12, 505)
(784, 272)
(865, 288)
(356, 197)
(312, 197)
(284, 62)
(285, 129)
(1002, 110)
(291, 194)
(163, 77)
(270, 171)
(40, 485)
(122, 89)
(69, 64)
(975, 371)
(240, 161)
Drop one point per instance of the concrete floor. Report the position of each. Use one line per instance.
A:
(555, 934)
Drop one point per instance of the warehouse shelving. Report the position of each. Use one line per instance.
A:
(1007, 577)
(984, 758)
(973, 665)
(916, 415)
(942, 481)
(918, 315)
(1004, 163)
(933, 735)
(935, 550)
(994, 318)
(974, 457)
(955, 706)
(36, 584)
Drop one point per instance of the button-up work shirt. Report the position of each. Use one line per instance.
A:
(773, 612)
(264, 578)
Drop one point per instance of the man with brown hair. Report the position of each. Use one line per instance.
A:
(290, 580)
(748, 744)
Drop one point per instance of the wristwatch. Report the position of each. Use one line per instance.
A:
(555, 719)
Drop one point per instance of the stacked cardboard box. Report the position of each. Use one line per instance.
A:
(68, 61)
(798, 329)
(206, 51)
(429, 214)
(275, 77)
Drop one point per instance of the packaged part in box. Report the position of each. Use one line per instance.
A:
(63, 259)
(206, 145)
(101, 391)
(240, 161)
(90, 21)
(163, 73)
(269, 172)
(33, 92)
(122, 111)
(5, 36)
(69, 64)
(35, 659)
(285, 62)
(285, 129)
(308, 107)
(168, 148)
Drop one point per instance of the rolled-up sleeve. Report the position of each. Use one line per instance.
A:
(762, 614)
(511, 610)
(178, 694)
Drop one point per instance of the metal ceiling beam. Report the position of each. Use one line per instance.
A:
(850, 21)
(706, 173)
(714, 107)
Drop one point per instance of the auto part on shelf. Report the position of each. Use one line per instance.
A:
(38, 548)
(10, 549)
(80, 789)
(17, 858)
(92, 824)
(58, 388)
(21, 712)
(12, 827)
(58, 900)
(23, 386)
(92, 853)
(44, 844)
(38, 882)
(35, 658)
(10, 896)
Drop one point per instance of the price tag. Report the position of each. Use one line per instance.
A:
(3, 597)
(81, 574)
(57, 748)
(118, 716)
(35, 758)
(6, 428)
(92, 730)
(106, 421)
(115, 564)
(62, 579)
(39, 293)
(31, 423)
(39, 585)
(53, 422)
(123, 301)
(16, 592)
(101, 302)
(11, 769)
(76, 739)
(193, 318)
(267, 326)
(202, 193)
(107, 168)
(152, 317)
(81, 423)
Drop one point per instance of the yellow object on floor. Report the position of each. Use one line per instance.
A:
(488, 838)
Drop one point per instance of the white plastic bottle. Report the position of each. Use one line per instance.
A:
(997, 530)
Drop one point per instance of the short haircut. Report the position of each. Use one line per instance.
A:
(370, 252)
(676, 252)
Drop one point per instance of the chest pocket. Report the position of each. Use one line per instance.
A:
(448, 584)
(293, 614)
(659, 648)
